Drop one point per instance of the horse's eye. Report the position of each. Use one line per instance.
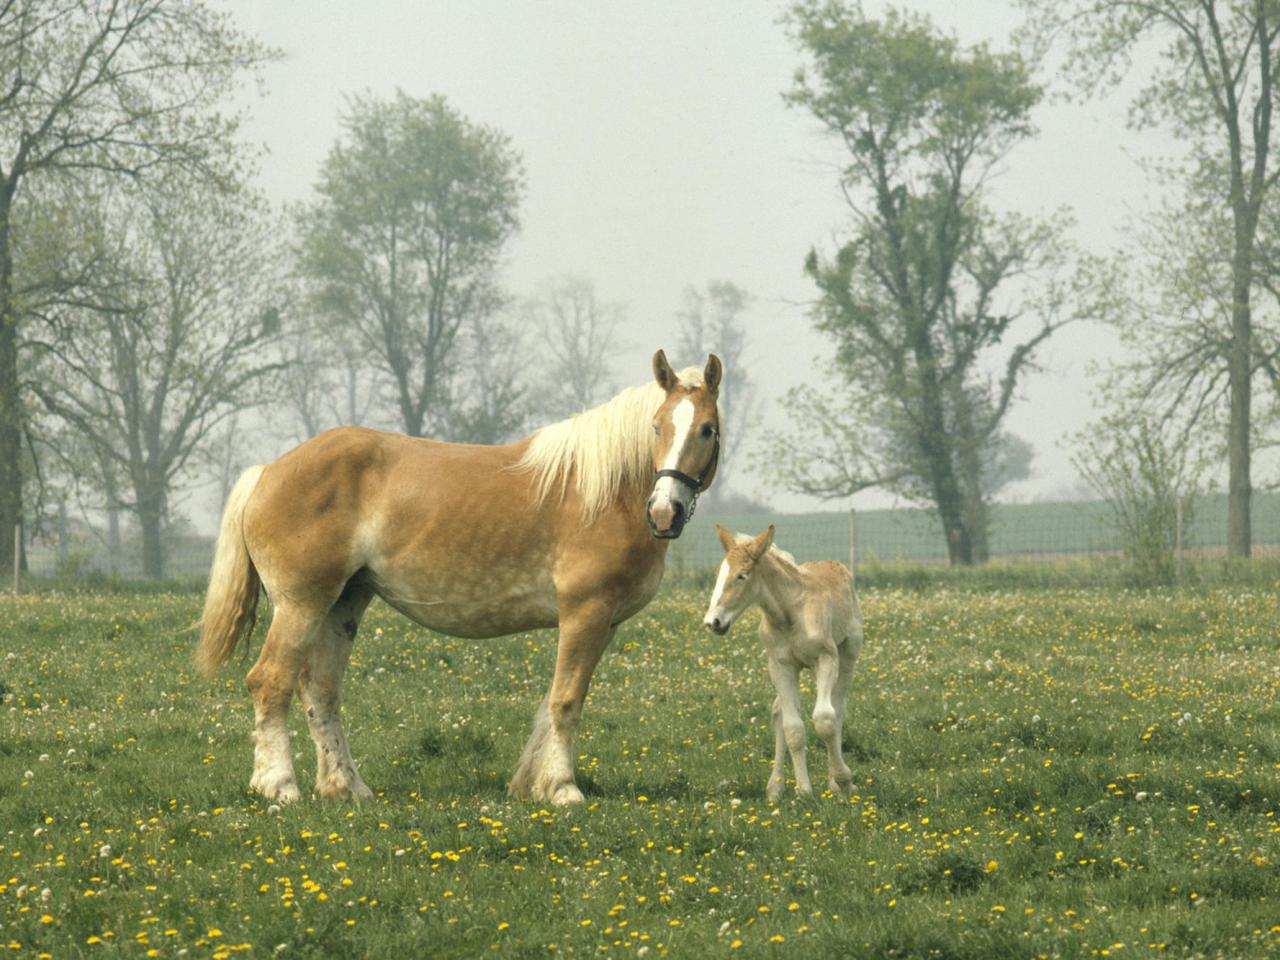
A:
(742, 576)
(707, 431)
(656, 430)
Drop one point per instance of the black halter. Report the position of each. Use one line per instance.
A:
(696, 484)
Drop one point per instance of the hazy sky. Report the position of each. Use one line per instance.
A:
(659, 154)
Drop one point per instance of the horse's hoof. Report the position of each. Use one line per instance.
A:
(336, 789)
(282, 791)
(773, 792)
(567, 795)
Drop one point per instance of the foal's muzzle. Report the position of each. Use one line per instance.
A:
(719, 626)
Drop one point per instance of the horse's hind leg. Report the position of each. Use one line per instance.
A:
(832, 676)
(320, 692)
(271, 684)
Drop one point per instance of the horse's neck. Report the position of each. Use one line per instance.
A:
(781, 591)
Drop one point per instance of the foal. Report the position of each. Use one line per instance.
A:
(811, 619)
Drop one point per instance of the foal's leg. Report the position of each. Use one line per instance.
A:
(545, 770)
(831, 678)
(320, 691)
(271, 683)
(786, 680)
(778, 778)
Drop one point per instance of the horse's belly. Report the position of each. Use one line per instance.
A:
(473, 609)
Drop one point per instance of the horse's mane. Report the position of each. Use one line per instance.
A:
(607, 448)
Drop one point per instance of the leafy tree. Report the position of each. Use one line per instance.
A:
(114, 87)
(711, 322)
(176, 333)
(401, 244)
(916, 299)
(1214, 88)
(1144, 470)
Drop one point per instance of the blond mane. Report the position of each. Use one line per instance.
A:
(606, 448)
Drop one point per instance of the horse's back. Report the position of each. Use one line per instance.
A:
(353, 497)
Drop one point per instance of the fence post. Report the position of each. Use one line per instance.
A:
(853, 546)
(1177, 543)
(17, 558)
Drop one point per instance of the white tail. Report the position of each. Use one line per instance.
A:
(232, 600)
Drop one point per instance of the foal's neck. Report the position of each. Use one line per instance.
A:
(780, 589)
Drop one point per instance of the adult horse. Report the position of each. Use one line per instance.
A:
(566, 527)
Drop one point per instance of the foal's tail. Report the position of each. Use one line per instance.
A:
(232, 600)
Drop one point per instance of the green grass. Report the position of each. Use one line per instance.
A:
(1067, 773)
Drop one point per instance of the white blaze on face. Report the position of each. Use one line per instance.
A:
(666, 489)
(714, 606)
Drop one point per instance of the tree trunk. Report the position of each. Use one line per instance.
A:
(1240, 387)
(936, 445)
(151, 520)
(951, 510)
(969, 454)
(113, 537)
(949, 500)
(10, 400)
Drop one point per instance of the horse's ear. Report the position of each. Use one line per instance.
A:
(662, 371)
(711, 373)
(760, 546)
(726, 538)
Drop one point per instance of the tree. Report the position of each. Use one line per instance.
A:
(115, 87)
(1215, 89)
(1144, 470)
(917, 300)
(176, 336)
(578, 333)
(326, 381)
(711, 322)
(401, 244)
(497, 407)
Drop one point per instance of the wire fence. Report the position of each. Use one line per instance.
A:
(1033, 532)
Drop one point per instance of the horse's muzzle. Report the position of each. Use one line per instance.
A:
(677, 520)
(718, 626)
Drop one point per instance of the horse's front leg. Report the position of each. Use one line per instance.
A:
(786, 681)
(545, 770)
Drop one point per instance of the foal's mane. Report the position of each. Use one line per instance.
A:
(785, 558)
(607, 448)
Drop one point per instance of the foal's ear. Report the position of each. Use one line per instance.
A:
(726, 538)
(662, 371)
(762, 543)
(711, 373)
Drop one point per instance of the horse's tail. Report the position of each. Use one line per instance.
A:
(232, 601)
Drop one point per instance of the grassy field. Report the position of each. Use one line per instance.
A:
(1069, 773)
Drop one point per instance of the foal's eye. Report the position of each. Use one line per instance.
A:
(707, 431)
(742, 576)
